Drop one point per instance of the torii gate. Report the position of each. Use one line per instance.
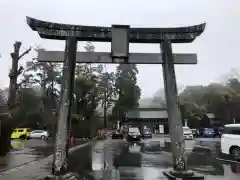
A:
(120, 36)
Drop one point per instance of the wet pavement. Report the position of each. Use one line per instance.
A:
(26, 151)
(117, 159)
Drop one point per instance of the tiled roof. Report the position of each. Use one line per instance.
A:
(155, 113)
(210, 115)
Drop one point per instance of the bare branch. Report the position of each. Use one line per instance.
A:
(24, 53)
(20, 70)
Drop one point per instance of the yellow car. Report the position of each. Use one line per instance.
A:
(21, 133)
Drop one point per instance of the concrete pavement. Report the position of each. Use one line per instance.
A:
(116, 159)
(27, 151)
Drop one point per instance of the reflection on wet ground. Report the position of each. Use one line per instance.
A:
(148, 160)
(26, 151)
(116, 159)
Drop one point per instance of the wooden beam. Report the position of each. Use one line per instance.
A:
(104, 57)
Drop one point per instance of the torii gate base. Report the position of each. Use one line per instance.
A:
(120, 36)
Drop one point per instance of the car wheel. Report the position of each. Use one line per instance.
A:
(235, 152)
(22, 137)
(43, 137)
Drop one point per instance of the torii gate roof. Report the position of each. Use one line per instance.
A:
(59, 31)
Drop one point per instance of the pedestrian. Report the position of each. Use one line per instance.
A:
(73, 140)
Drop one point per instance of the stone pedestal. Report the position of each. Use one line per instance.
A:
(185, 175)
(67, 176)
(3, 160)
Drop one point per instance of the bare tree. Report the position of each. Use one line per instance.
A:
(14, 73)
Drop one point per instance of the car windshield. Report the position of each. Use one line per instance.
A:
(37, 131)
(186, 129)
(209, 130)
(146, 130)
(134, 130)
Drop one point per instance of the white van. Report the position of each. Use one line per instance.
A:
(187, 133)
(230, 141)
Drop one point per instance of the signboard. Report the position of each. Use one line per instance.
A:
(161, 129)
(185, 122)
(118, 124)
(120, 41)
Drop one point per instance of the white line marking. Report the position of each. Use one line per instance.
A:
(227, 160)
(204, 147)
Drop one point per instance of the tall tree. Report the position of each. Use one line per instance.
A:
(87, 91)
(4, 126)
(234, 83)
(14, 73)
(107, 92)
(12, 121)
(44, 78)
(215, 98)
(128, 92)
(47, 76)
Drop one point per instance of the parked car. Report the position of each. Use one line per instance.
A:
(134, 134)
(209, 132)
(195, 133)
(147, 133)
(230, 141)
(187, 133)
(21, 133)
(117, 135)
(218, 131)
(39, 134)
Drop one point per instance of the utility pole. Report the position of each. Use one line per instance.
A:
(14, 73)
(105, 108)
(105, 97)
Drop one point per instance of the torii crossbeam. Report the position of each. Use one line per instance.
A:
(103, 57)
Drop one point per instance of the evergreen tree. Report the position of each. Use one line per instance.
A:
(128, 92)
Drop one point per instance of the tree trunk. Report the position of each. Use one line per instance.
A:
(105, 109)
(5, 145)
(10, 122)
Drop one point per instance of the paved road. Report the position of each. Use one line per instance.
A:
(139, 161)
(148, 159)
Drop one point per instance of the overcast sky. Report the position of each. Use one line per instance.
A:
(217, 48)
